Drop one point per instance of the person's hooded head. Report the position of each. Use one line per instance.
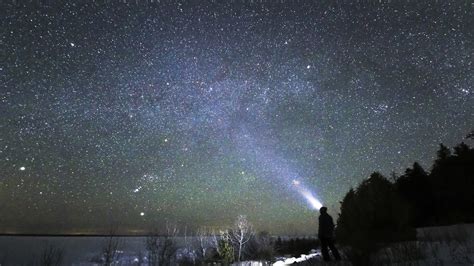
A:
(323, 210)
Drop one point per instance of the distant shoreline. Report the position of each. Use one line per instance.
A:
(125, 235)
(76, 235)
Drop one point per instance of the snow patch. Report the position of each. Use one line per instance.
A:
(302, 258)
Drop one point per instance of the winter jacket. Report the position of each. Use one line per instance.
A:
(326, 226)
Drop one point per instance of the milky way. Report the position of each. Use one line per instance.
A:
(135, 114)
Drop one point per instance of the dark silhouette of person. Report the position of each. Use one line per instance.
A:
(326, 235)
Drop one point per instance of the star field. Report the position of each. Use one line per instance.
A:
(140, 113)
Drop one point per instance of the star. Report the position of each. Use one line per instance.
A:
(244, 109)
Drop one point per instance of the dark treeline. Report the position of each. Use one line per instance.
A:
(381, 211)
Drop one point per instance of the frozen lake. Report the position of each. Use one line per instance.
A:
(78, 250)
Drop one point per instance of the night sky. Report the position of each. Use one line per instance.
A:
(137, 114)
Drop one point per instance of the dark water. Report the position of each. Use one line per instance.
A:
(78, 250)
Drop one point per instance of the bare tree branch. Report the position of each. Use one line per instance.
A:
(241, 234)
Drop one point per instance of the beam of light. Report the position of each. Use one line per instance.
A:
(270, 165)
(312, 200)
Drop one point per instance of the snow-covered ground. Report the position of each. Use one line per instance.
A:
(440, 245)
(288, 261)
